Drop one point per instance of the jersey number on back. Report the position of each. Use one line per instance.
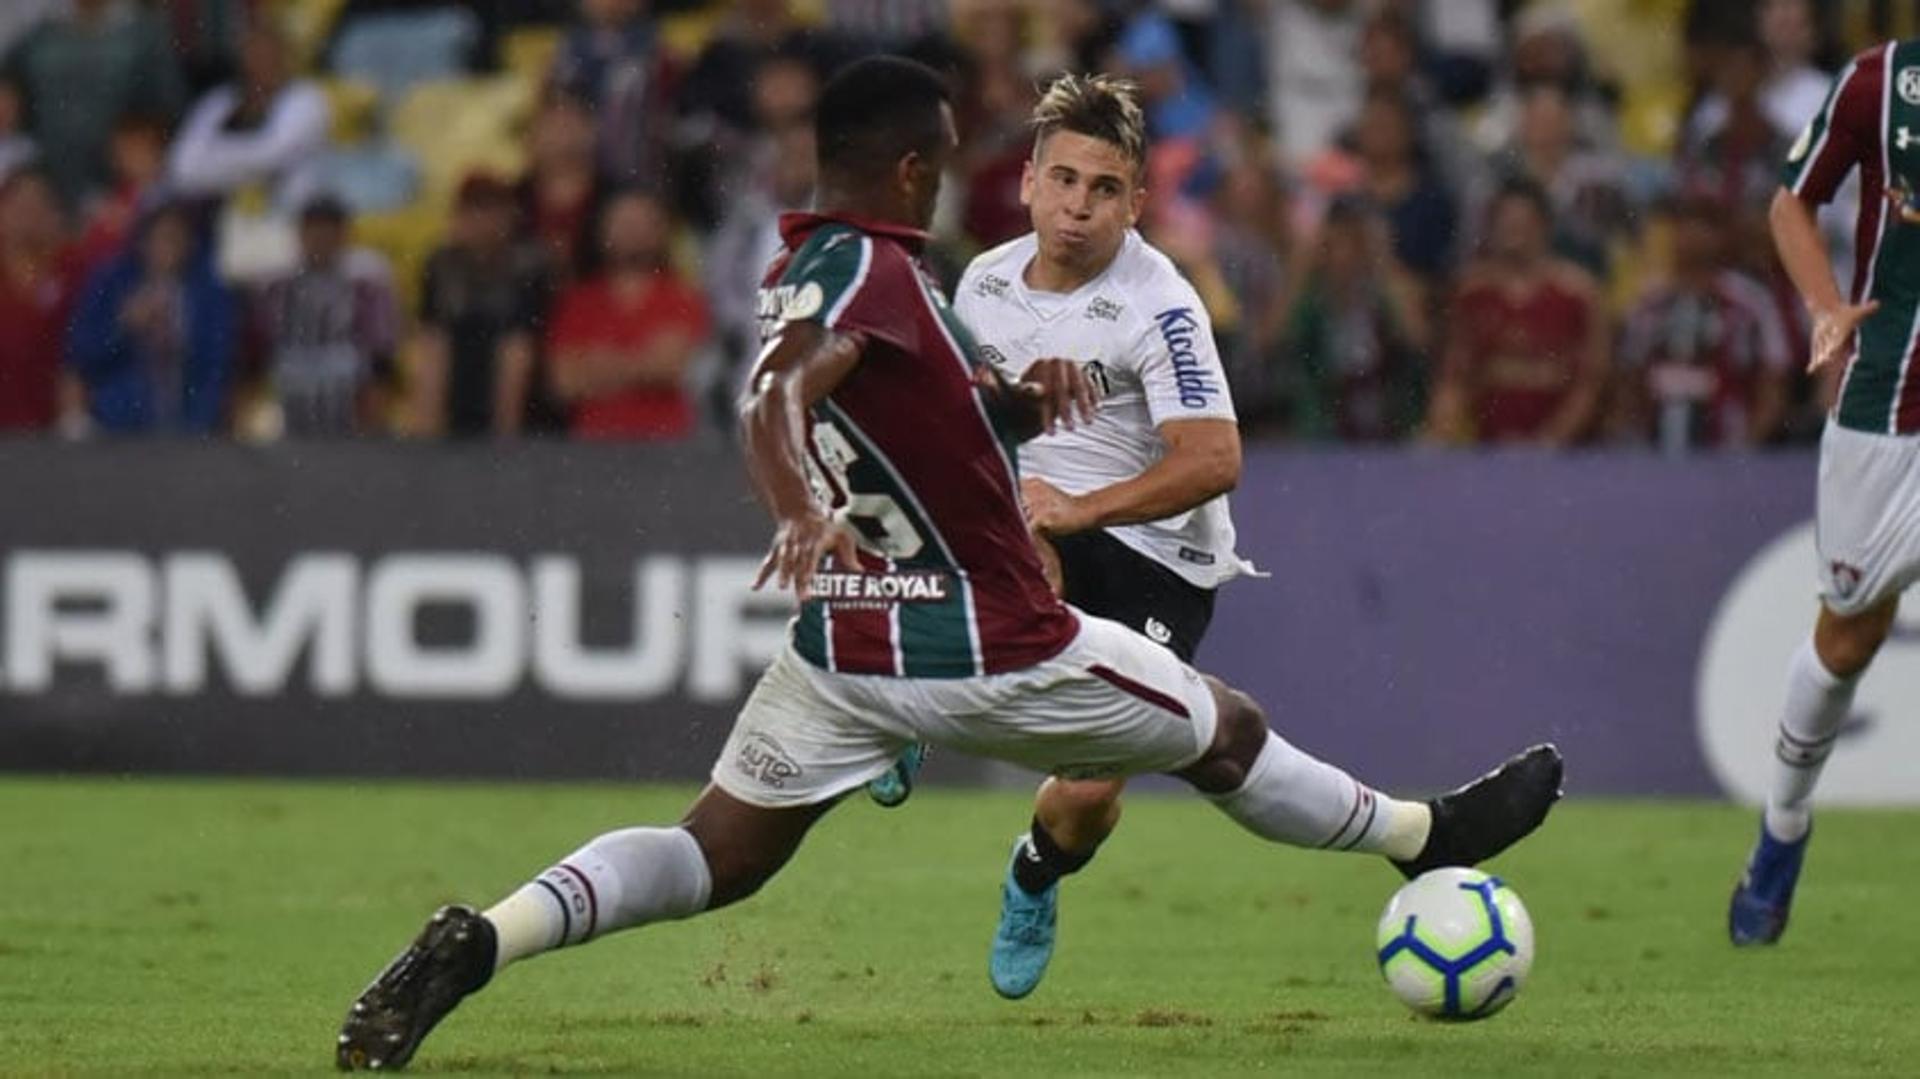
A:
(876, 518)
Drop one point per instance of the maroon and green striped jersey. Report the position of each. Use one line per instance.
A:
(906, 452)
(1871, 121)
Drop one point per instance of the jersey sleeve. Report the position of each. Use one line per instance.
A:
(845, 281)
(1845, 132)
(1179, 364)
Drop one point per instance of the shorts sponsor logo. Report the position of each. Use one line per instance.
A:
(1178, 329)
(766, 761)
(1846, 579)
(1157, 631)
(856, 590)
(1103, 308)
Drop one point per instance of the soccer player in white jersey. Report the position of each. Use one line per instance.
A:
(1133, 502)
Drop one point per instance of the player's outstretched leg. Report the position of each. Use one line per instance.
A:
(1820, 685)
(1280, 793)
(721, 853)
(1071, 818)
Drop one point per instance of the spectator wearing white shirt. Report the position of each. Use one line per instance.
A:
(266, 130)
(1794, 87)
(1315, 84)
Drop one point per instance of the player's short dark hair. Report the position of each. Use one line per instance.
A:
(1102, 107)
(876, 111)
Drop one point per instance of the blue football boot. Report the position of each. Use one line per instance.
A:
(1023, 941)
(894, 786)
(1764, 896)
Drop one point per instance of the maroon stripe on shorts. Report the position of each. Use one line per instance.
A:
(1134, 689)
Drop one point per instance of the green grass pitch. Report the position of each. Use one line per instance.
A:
(212, 926)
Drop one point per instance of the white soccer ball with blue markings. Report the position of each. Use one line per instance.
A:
(1455, 944)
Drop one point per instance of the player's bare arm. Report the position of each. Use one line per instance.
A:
(1202, 463)
(799, 368)
(1796, 235)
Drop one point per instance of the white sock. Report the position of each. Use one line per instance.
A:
(1817, 704)
(621, 879)
(1295, 799)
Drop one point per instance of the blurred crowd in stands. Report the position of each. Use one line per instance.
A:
(1449, 221)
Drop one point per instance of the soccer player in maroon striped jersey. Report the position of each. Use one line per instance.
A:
(1868, 504)
(881, 445)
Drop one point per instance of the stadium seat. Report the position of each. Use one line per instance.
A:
(454, 126)
(397, 50)
(528, 53)
(406, 237)
(307, 24)
(371, 177)
(354, 107)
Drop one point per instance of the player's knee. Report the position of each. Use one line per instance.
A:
(1240, 732)
(736, 870)
(1846, 644)
(1079, 813)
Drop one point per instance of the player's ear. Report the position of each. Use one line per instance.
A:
(1137, 205)
(1026, 183)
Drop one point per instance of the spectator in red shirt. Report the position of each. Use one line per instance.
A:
(1705, 359)
(622, 342)
(1526, 350)
(37, 281)
(137, 154)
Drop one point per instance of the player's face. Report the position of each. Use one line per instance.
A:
(1082, 196)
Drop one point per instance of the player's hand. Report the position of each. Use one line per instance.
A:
(1062, 389)
(1051, 511)
(1053, 392)
(799, 544)
(1833, 332)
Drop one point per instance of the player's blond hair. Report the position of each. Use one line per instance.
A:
(1104, 107)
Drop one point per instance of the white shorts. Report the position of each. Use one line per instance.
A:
(1867, 524)
(1112, 703)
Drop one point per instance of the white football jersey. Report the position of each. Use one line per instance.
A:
(1148, 346)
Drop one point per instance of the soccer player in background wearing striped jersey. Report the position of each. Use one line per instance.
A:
(1868, 504)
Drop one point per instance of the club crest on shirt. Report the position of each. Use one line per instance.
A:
(1909, 85)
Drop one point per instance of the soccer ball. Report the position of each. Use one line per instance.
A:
(1455, 944)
